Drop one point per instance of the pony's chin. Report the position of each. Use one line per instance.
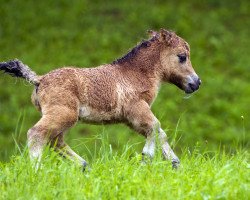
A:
(188, 94)
(191, 88)
(189, 91)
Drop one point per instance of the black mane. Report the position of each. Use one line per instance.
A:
(131, 54)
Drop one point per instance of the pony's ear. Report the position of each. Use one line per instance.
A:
(152, 33)
(164, 35)
(167, 36)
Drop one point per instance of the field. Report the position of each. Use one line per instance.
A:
(122, 176)
(209, 131)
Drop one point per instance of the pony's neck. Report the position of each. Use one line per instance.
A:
(144, 58)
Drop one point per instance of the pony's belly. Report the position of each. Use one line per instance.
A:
(90, 115)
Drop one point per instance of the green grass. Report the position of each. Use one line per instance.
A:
(50, 34)
(209, 175)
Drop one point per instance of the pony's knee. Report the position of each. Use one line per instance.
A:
(35, 137)
(38, 136)
(36, 132)
(148, 127)
(32, 135)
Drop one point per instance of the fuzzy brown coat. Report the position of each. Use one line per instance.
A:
(121, 92)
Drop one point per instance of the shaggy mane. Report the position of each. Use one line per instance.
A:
(133, 52)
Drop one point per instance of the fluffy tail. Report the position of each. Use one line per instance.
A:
(17, 69)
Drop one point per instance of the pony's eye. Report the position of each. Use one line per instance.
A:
(182, 58)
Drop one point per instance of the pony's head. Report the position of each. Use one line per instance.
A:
(175, 63)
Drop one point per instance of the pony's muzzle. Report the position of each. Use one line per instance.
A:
(193, 83)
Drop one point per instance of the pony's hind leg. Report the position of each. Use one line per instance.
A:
(64, 150)
(55, 120)
(37, 139)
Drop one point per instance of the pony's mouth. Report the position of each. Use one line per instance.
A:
(192, 84)
(191, 87)
(189, 84)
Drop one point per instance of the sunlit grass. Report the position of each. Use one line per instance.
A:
(52, 34)
(110, 175)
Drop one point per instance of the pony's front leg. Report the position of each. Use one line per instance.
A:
(149, 147)
(167, 152)
(142, 120)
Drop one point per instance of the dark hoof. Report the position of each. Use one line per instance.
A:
(84, 165)
(175, 163)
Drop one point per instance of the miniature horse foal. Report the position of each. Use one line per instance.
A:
(120, 92)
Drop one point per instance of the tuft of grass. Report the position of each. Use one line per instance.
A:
(111, 175)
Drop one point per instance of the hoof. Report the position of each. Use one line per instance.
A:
(84, 165)
(175, 163)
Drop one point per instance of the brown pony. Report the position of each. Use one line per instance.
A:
(120, 92)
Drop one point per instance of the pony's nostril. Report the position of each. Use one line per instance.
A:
(193, 86)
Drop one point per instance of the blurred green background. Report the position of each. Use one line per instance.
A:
(49, 34)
